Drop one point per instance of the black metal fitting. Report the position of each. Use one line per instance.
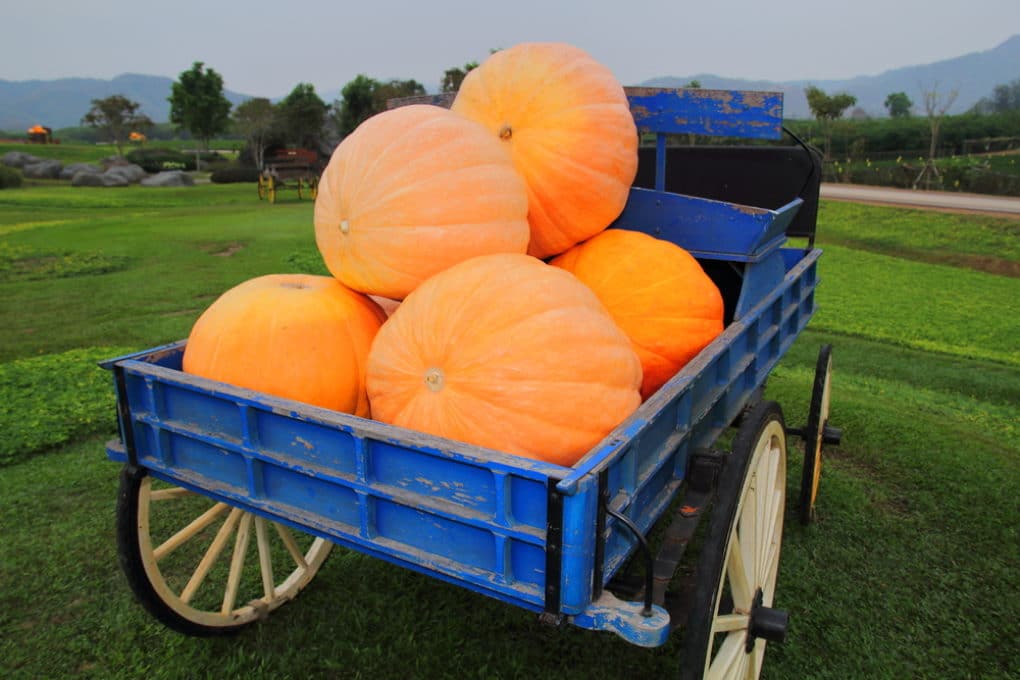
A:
(766, 623)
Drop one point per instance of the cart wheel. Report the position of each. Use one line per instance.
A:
(314, 184)
(731, 615)
(262, 187)
(300, 195)
(171, 543)
(814, 434)
(271, 189)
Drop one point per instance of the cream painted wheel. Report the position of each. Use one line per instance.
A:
(203, 567)
(814, 434)
(732, 617)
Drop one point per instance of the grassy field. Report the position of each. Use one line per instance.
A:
(909, 572)
(93, 153)
(68, 153)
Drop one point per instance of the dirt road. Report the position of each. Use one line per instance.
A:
(1005, 206)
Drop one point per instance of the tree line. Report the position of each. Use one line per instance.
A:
(302, 118)
(826, 108)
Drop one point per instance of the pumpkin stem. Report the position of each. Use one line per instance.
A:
(505, 132)
(434, 379)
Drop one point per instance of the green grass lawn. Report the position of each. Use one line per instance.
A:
(910, 570)
(68, 153)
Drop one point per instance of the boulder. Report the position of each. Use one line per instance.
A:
(19, 159)
(130, 172)
(73, 169)
(114, 179)
(87, 178)
(169, 178)
(43, 169)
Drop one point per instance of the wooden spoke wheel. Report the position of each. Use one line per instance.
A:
(262, 187)
(815, 435)
(203, 567)
(731, 616)
(271, 189)
(314, 188)
(300, 194)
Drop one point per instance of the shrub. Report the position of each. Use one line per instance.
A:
(53, 399)
(9, 178)
(156, 160)
(230, 175)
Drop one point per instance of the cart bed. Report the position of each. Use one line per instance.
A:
(527, 532)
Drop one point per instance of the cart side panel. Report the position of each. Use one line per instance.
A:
(645, 461)
(449, 510)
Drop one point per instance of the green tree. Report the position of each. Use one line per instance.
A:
(395, 89)
(302, 114)
(197, 103)
(364, 97)
(898, 104)
(356, 104)
(453, 77)
(693, 84)
(827, 108)
(255, 119)
(117, 117)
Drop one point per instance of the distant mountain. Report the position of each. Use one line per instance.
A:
(974, 75)
(62, 103)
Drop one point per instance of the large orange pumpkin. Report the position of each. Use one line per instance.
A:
(566, 121)
(298, 336)
(508, 353)
(656, 292)
(412, 191)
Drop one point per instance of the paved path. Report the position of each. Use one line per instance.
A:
(938, 200)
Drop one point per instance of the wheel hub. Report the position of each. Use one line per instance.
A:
(766, 623)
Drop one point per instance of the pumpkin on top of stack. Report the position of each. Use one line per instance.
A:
(411, 192)
(565, 120)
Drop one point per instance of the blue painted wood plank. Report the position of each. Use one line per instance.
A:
(718, 113)
(704, 227)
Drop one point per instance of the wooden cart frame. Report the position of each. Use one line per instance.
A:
(286, 169)
(210, 469)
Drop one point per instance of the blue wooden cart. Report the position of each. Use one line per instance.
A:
(210, 468)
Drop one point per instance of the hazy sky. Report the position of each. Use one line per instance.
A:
(266, 47)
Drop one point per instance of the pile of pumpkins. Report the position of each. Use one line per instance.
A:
(476, 292)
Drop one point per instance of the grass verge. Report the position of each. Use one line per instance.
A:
(907, 572)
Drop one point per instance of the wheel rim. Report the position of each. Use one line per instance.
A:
(262, 188)
(197, 555)
(818, 417)
(823, 419)
(271, 190)
(751, 560)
